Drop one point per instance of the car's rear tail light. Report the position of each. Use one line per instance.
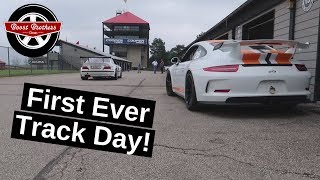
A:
(222, 90)
(226, 68)
(301, 67)
(107, 67)
(85, 67)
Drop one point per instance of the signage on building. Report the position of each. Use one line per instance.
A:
(307, 5)
(38, 61)
(114, 41)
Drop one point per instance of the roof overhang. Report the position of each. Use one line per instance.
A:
(126, 18)
(110, 25)
(93, 51)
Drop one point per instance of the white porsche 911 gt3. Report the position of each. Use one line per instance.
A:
(233, 72)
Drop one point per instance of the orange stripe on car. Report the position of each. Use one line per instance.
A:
(216, 41)
(178, 89)
(250, 57)
(283, 58)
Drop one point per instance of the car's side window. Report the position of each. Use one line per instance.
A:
(189, 55)
(200, 52)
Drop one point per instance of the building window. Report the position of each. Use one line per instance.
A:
(126, 37)
(121, 54)
(200, 52)
(126, 28)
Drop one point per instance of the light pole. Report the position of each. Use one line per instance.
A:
(9, 61)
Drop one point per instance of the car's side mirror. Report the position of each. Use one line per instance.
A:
(175, 60)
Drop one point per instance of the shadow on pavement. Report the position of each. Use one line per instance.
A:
(250, 111)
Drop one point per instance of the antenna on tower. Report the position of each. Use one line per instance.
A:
(126, 7)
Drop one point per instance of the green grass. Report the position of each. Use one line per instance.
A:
(24, 72)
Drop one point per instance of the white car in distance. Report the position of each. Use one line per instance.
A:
(100, 67)
(234, 72)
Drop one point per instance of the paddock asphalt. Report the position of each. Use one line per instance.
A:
(217, 142)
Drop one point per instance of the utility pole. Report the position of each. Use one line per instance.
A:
(48, 61)
(102, 37)
(9, 60)
(126, 6)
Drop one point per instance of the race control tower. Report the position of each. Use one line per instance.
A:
(127, 37)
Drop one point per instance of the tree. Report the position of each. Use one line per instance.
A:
(174, 52)
(199, 35)
(157, 50)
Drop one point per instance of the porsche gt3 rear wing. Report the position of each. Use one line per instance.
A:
(271, 42)
(257, 52)
(291, 44)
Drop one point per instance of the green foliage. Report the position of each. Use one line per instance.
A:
(158, 52)
(174, 52)
(158, 49)
(201, 34)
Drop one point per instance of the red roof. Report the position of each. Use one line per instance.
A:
(1, 62)
(126, 18)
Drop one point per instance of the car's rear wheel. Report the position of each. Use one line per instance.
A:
(115, 75)
(169, 85)
(84, 78)
(120, 74)
(190, 93)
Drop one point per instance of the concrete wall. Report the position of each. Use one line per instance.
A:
(306, 30)
(144, 54)
(134, 55)
(119, 48)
